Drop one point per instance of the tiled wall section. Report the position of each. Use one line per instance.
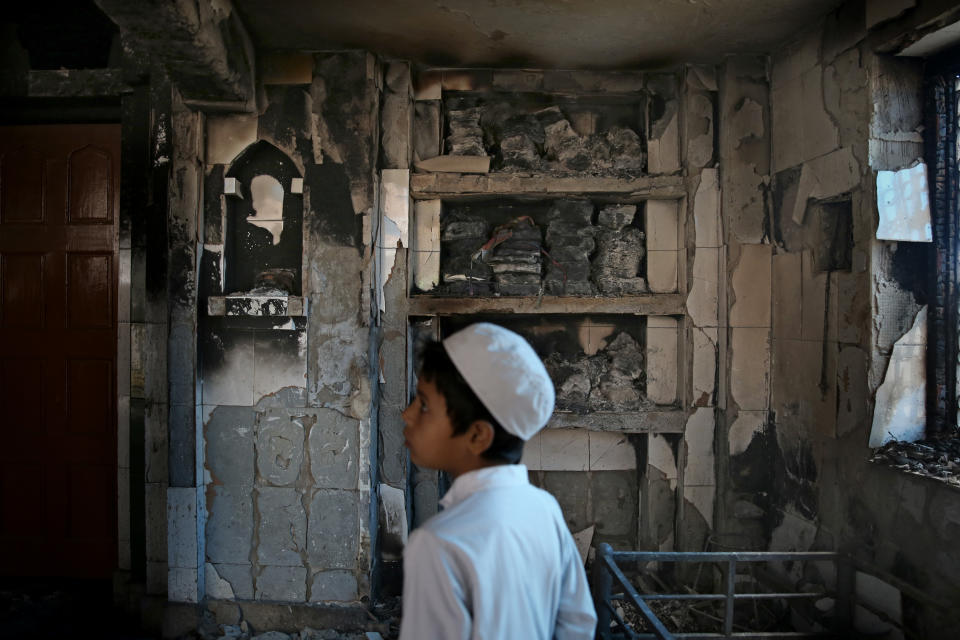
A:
(593, 475)
(286, 401)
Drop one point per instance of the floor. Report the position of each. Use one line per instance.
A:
(60, 608)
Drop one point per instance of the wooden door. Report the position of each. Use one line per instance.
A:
(59, 196)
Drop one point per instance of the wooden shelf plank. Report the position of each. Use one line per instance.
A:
(659, 304)
(660, 420)
(464, 185)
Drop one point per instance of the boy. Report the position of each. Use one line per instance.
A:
(498, 562)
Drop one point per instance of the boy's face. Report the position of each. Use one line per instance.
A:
(429, 432)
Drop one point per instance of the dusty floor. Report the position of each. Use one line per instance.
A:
(41, 609)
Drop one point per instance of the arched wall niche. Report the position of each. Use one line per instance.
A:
(264, 235)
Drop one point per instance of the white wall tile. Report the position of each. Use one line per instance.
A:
(426, 244)
(662, 359)
(706, 210)
(215, 586)
(662, 271)
(611, 451)
(704, 365)
(531, 453)
(698, 438)
(750, 368)
(662, 225)
(660, 455)
(182, 527)
(182, 585)
(702, 305)
(564, 450)
(751, 287)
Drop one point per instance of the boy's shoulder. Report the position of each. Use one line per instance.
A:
(494, 508)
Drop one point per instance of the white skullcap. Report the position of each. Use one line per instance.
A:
(506, 374)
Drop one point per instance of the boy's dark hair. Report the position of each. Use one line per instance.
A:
(463, 405)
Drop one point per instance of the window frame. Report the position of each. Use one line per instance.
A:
(941, 102)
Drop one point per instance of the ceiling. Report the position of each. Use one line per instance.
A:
(574, 34)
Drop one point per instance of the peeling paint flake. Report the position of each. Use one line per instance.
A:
(394, 224)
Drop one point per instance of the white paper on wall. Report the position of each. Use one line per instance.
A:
(903, 201)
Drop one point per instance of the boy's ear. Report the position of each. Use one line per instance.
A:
(479, 436)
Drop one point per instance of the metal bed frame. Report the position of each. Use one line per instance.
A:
(606, 572)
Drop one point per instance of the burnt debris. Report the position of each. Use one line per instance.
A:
(935, 458)
(535, 137)
(557, 252)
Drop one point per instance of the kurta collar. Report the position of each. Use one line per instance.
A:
(501, 475)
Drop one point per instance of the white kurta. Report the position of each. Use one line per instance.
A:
(497, 563)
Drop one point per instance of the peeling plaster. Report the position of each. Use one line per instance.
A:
(393, 231)
(660, 455)
(747, 122)
(706, 210)
(825, 177)
(900, 412)
(215, 586)
(698, 438)
(743, 429)
(702, 301)
(704, 365)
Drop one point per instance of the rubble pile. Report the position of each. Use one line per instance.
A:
(544, 140)
(936, 458)
(611, 380)
(620, 248)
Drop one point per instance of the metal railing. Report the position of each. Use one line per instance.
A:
(607, 573)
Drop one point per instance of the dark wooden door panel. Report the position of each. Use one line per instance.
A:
(21, 180)
(21, 290)
(59, 189)
(89, 288)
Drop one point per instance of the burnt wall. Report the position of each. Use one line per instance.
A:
(797, 471)
(285, 391)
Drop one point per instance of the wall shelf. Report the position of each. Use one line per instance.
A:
(659, 420)
(659, 304)
(245, 305)
(428, 186)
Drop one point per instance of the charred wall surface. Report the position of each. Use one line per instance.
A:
(796, 462)
(582, 209)
(284, 337)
